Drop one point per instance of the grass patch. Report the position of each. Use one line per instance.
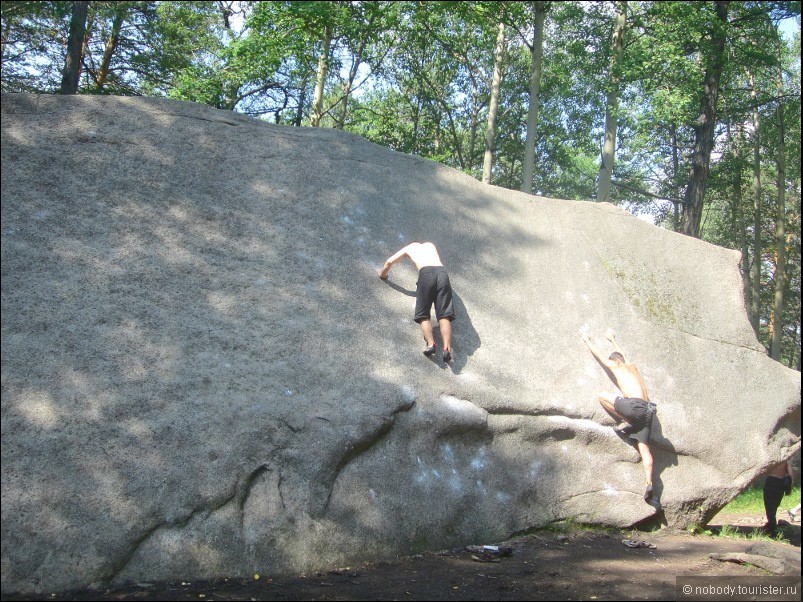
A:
(752, 500)
(753, 534)
(732, 532)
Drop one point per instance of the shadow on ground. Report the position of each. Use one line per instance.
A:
(548, 565)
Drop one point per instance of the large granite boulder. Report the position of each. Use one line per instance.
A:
(203, 376)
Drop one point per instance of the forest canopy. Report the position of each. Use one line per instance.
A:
(684, 113)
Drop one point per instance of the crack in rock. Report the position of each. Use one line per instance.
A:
(363, 445)
(239, 493)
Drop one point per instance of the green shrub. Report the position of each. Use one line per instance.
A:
(752, 500)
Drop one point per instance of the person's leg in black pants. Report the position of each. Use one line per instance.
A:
(773, 494)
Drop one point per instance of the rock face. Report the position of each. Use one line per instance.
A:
(203, 376)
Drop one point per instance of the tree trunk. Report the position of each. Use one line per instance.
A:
(302, 97)
(437, 141)
(475, 124)
(111, 46)
(494, 106)
(675, 179)
(323, 68)
(344, 106)
(611, 106)
(90, 22)
(416, 120)
(355, 67)
(755, 296)
(780, 228)
(704, 129)
(536, 56)
(347, 87)
(75, 45)
(744, 265)
(472, 138)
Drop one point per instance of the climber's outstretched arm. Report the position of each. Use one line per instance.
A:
(395, 258)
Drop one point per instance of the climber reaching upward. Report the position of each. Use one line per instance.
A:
(433, 286)
(633, 409)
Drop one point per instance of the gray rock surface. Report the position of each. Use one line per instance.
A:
(203, 376)
(770, 556)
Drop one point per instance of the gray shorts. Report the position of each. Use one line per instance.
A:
(638, 414)
(433, 286)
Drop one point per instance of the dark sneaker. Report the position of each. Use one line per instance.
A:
(447, 355)
(430, 351)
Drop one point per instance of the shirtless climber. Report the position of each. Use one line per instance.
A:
(633, 409)
(432, 287)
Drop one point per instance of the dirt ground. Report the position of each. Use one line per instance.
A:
(573, 564)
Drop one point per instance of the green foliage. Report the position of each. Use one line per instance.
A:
(752, 500)
(34, 44)
(732, 532)
(416, 77)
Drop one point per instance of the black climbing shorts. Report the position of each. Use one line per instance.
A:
(433, 286)
(638, 414)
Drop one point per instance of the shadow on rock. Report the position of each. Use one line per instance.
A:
(465, 339)
(664, 455)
